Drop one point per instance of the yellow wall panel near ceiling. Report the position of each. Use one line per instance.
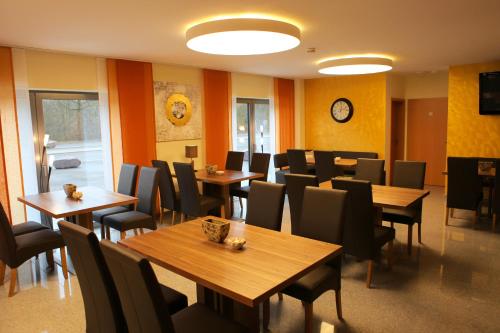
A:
(470, 134)
(366, 129)
(59, 71)
(252, 86)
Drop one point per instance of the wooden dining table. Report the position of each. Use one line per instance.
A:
(347, 163)
(219, 185)
(57, 205)
(234, 282)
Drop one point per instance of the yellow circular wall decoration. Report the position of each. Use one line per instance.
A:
(178, 109)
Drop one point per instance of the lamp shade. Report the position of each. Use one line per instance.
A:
(191, 151)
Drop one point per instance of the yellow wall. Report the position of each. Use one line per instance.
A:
(366, 129)
(424, 85)
(470, 134)
(174, 150)
(48, 70)
(251, 86)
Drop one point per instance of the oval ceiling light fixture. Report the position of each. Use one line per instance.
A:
(355, 65)
(243, 36)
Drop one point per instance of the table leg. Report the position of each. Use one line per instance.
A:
(227, 202)
(85, 220)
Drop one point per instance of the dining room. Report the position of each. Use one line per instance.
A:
(249, 167)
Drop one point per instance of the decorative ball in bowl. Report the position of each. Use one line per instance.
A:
(219, 172)
(211, 169)
(215, 230)
(69, 189)
(77, 195)
(236, 243)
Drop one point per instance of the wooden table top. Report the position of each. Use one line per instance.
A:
(342, 162)
(57, 205)
(391, 196)
(229, 177)
(269, 261)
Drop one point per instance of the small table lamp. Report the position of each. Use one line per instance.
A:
(192, 152)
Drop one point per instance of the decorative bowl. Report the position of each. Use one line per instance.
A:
(236, 243)
(215, 230)
(211, 169)
(69, 189)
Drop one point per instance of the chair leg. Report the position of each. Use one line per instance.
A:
(369, 274)
(266, 313)
(173, 218)
(123, 234)
(161, 215)
(493, 226)
(447, 214)
(103, 231)
(410, 237)
(50, 259)
(231, 200)
(280, 296)
(2, 272)
(13, 281)
(182, 217)
(135, 232)
(476, 217)
(390, 249)
(308, 308)
(141, 230)
(241, 203)
(223, 211)
(452, 213)
(420, 232)
(392, 225)
(338, 302)
(64, 262)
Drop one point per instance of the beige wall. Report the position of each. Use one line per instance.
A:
(252, 86)
(174, 150)
(425, 85)
(53, 71)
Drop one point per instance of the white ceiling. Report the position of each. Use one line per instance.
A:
(420, 35)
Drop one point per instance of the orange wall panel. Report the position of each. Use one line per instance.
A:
(217, 89)
(284, 92)
(134, 82)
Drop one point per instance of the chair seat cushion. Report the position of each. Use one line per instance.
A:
(129, 220)
(98, 215)
(240, 191)
(25, 228)
(315, 283)
(175, 300)
(199, 318)
(383, 235)
(36, 242)
(405, 216)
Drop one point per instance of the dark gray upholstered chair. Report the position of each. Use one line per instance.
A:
(371, 170)
(496, 196)
(265, 205)
(410, 174)
(323, 217)
(464, 186)
(353, 155)
(281, 163)
(169, 198)
(295, 185)
(144, 307)
(259, 164)
(362, 238)
(15, 250)
(192, 203)
(325, 165)
(298, 163)
(126, 185)
(143, 215)
(234, 160)
(103, 310)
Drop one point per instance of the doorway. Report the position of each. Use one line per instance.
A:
(398, 129)
(68, 145)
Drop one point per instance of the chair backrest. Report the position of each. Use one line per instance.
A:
(188, 188)
(280, 160)
(234, 160)
(371, 170)
(297, 161)
(103, 311)
(128, 179)
(260, 164)
(148, 190)
(8, 244)
(323, 215)
(265, 205)
(166, 183)
(140, 293)
(325, 165)
(410, 174)
(295, 185)
(359, 239)
(464, 183)
(496, 193)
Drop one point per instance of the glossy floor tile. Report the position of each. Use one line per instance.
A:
(451, 283)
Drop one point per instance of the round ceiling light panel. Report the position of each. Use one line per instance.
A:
(243, 36)
(354, 66)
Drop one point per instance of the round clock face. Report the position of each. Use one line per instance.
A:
(342, 110)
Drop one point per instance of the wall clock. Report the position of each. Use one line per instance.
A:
(341, 110)
(178, 109)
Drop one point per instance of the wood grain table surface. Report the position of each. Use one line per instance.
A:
(342, 162)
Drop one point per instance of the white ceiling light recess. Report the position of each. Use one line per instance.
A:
(355, 65)
(243, 36)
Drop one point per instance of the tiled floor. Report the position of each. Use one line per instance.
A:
(450, 284)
